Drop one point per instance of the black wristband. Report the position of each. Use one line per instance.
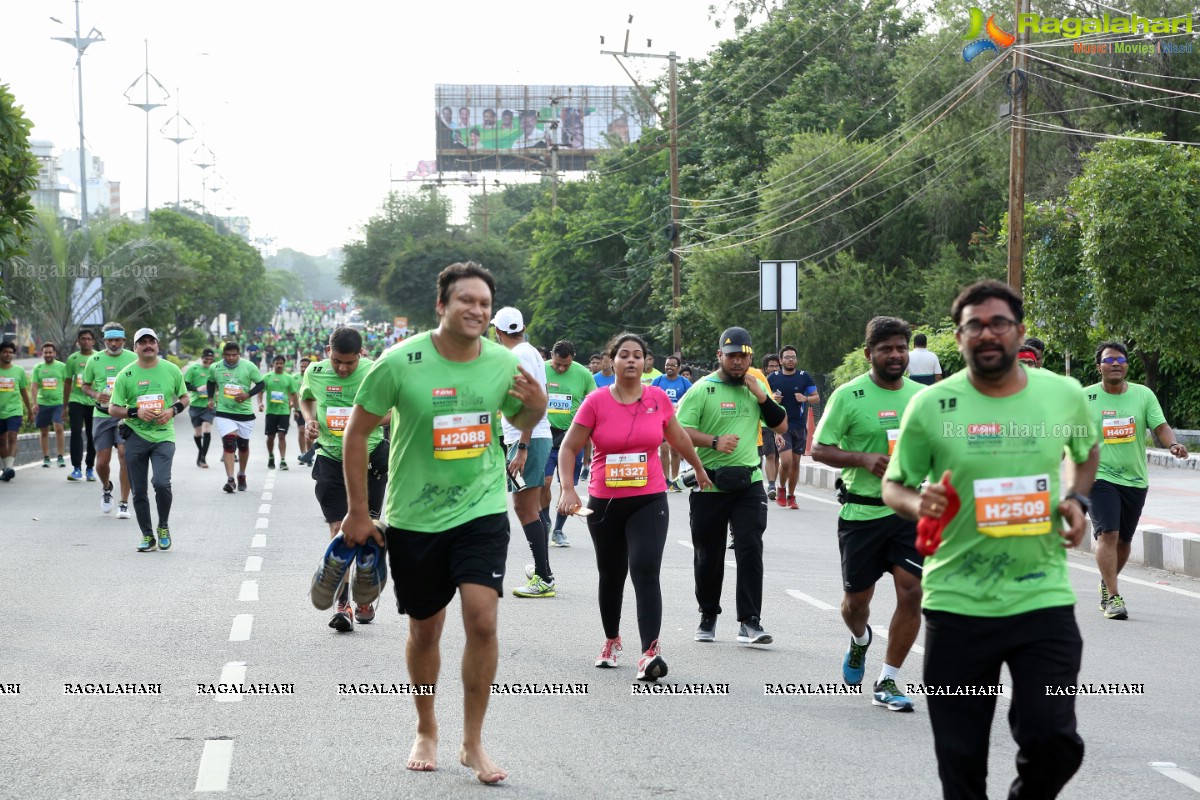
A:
(177, 408)
(772, 413)
(714, 442)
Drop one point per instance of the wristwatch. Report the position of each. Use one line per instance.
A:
(714, 442)
(1081, 499)
(522, 446)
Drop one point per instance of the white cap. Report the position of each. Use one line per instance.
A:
(509, 320)
(144, 332)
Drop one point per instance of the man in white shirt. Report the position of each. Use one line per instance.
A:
(923, 365)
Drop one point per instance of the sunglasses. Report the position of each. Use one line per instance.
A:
(1114, 360)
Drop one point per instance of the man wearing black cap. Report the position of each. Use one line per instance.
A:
(722, 414)
(196, 379)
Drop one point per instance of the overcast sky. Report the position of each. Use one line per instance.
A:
(309, 107)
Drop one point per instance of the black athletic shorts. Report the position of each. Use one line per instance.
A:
(794, 438)
(278, 423)
(427, 568)
(768, 447)
(1116, 508)
(871, 547)
(331, 484)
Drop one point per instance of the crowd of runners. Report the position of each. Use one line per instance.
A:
(952, 486)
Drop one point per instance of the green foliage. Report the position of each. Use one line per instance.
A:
(18, 178)
(312, 277)
(402, 221)
(193, 341)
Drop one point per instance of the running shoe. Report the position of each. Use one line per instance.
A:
(75, 475)
(530, 570)
(91, 474)
(46, 462)
(343, 620)
(364, 613)
(147, 544)
(61, 462)
(106, 499)
(855, 661)
(123, 511)
(781, 499)
(888, 695)
(199, 461)
(608, 653)
(370, 573)
(651, 665)
(771, 493)
(331, 572)
(283, 465)
(164, 538)
(271, 463)
(791, 502)
(241, 482)
(8, 474)
(730, 545)
(229, 487)
(1103, 596)
(751, 632)
(559, 539)
(1115, 609)
(535, 588)
(707, 630)
(203, 464)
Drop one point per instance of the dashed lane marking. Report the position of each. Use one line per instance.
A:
(808, 598)
(253, 564)
(261, 524)
(240, 631)
(266, 495)
(232, 674)
(249, 591)
(265, 508)
(1176, 774)
(1140, 582)
(215, 762)
(259, 540)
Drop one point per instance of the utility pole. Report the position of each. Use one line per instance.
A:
(673, 130)
(80, 44)
(1017, 86)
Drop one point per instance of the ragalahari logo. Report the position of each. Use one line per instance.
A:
(985, 36)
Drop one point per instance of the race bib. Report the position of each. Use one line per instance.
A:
(232, 390)
(461, 435)
(559, 403)
(109, 383)
(7, 384)
(277, 397)
(893, 437)
(150, 402)
(1119, 430)
(202, 390)
(49, 384)
(79, 381)
(336, 418)
(626, 469)
(1013, 506)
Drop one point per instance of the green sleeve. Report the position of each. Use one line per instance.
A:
(833, 423)
(1154, 413)
(377, 394)
(1084, 432)
(912, 459)
(24, 381)
(119, 397)
(689, 409)
(181, 389)
(511, 405)
(305, 389)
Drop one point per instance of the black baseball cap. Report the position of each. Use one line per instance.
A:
(735, 340)
(208, 351)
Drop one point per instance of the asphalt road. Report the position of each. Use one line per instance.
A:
(81, 606)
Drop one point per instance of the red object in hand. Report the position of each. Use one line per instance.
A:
(929, 529)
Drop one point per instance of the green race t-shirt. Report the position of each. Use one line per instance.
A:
(242, 376)
(446, 467)
(150, 390)
(718, 408)
(196, 375)
(279, 390)
(863, 417)
(335, 398)
(49, 380)
(101, 373)
(1123, 420)
(566, 392)
(75, 366)
(12, 381)
(1001, 555)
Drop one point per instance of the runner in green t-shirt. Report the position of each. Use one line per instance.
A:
(279, 392)
(50, 379)
(149, 394)
(302, 442)
(567, 383)
(327, 396)
(232, 381)
(996, 588)
(1123, 411)
(447, 477)
(99, 375)
(80, 408)
(858, 434)
(14, 390)
(195, 377)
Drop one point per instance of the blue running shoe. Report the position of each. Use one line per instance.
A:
(91, 474)
(331, 573)
(854, 663)
(370, 573)
(888, 695)
(75, 475)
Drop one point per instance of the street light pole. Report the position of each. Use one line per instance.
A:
(178, 139)
(147, 106)
(80, 44)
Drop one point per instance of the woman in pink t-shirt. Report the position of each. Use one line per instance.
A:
(626, 423)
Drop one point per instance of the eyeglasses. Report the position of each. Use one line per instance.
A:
(1114, 360)
(997, 325)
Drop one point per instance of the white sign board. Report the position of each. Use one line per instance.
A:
(777, 290)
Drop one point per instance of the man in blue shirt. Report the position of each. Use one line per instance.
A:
(793, 389)
(674, 385)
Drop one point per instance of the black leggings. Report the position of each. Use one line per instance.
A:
(629, 534)
(80, 416)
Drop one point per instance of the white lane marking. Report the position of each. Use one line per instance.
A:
(688, 545)
(249, 591)
(261, 523)
(232, 674)
(808, 598)
(1139, 581)
(824, 500)
(1176, 774)
(215, 762)
(253, 564)
(259, 540)
(240, 631)
(266, 495)
(265, 508)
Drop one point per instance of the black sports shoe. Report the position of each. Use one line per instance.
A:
(343, 620)
(751, 632)
(707, 630)
(241, 483)
(229, 487)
